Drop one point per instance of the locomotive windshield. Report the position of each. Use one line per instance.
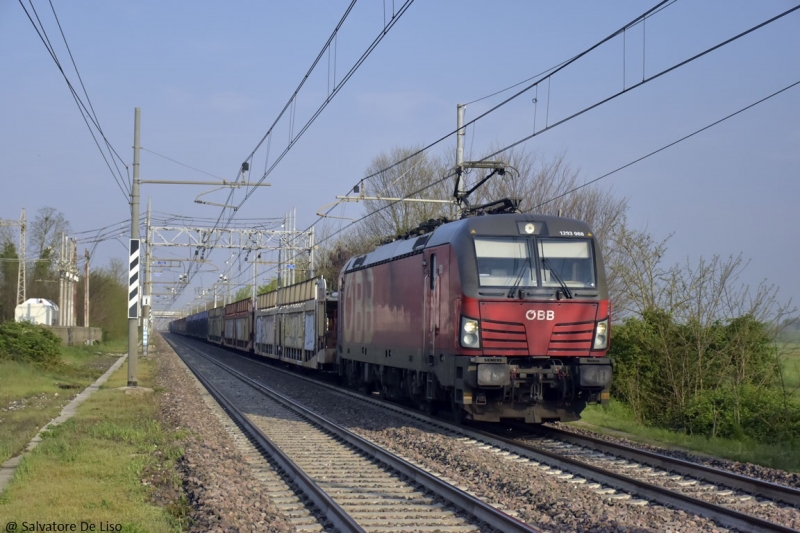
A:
(570, 260)
(504, 262)
(510, 261)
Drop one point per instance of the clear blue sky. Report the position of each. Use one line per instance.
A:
(210, 78)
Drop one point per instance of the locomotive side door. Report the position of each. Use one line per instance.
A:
(432, 292)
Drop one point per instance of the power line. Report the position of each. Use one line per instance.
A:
(574, 115)
(673, 143)
(555, 70)
(650, 12)
(85, 114)
(646, 80)
(337, 88)
(292, 102)
(546, 71)
(182, 164)
(85, 92)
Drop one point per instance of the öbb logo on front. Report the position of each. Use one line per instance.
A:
(540, 314)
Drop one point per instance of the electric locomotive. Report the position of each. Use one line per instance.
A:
(502, 316)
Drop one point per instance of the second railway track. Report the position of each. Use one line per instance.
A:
(354, 484)
(623, 489)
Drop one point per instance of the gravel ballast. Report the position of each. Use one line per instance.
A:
(225, 496)
(531, 493)
(222, 492)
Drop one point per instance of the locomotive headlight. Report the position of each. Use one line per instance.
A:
(601, 335)
(470, 333)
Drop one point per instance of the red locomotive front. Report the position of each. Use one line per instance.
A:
(501, 317)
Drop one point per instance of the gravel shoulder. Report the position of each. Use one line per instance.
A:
(222, 493)
(532, 494)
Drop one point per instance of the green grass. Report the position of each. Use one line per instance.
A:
(31, 396)
(106, 464)
(616, 419)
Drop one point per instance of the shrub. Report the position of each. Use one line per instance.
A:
(759, 413)
(26, 342)
(717, 379)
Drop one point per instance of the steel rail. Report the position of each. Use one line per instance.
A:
(756, 487)
(337, 516)
(726, 517)
(472, 505)
(729, 518)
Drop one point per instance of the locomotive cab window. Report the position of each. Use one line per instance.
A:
(504, 262)
(570, 261)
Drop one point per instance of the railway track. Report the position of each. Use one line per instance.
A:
(353, 484)
(632, 480)
(732, 507)
(736, 486)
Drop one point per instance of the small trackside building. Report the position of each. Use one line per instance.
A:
(37, 311)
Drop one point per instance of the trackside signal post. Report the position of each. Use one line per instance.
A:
(133, 291)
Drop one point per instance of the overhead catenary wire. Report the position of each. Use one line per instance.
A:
(666, 146)
(523, 91)
(655, 76)
(268, 135)
(88, 117)
(181, 164)
(85, 92)
(659, 7)
(637, 160)
(547, 71)
(571, 191)
(337, 87)
(570, 117)
(645, 80)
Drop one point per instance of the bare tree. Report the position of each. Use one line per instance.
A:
(548, 186)
(551, 186)
(44, 235)
(423, 173)
(9, 234)
(46, 230)
(333, 251)
(117, 270)
(9, 265)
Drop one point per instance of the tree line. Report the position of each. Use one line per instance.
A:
(107, 285)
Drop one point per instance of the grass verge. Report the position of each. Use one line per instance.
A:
(616, 419)
(105, 466)
(32, 395)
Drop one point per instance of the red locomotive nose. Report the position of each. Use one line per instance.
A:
(552, 329)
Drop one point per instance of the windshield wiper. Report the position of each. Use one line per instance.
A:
(518, 281)
(567, 292)
(513, 288)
